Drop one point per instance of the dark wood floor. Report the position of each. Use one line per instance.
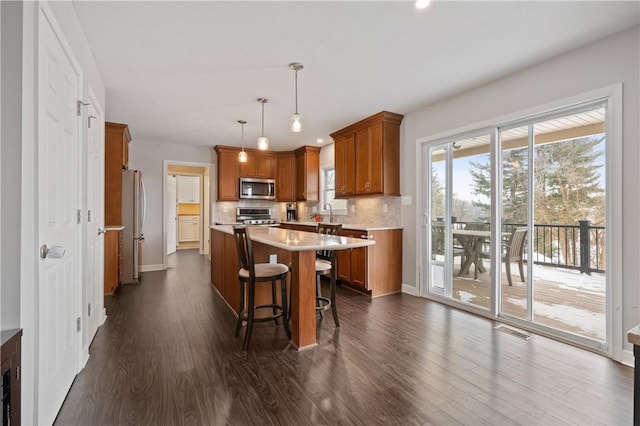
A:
(167, 356)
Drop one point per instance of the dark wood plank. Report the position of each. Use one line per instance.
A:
(167, 356)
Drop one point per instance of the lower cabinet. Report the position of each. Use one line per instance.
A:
(377, 269)
(188, 228)
(112, 260)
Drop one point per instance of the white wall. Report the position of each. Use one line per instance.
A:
(604, 63)
(66, 17)
(11, 134)
(149, 157)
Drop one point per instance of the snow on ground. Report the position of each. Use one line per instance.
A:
(570, 279)
(591, 323)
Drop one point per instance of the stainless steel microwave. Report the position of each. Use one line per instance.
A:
(257, 189)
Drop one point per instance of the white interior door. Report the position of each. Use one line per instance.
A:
(58, 194)
(93, 300)
(172, 215)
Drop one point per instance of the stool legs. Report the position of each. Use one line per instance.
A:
(274, 299)
(247, 314)
(250, 313)
(241, 311)
(285, 309)
(332, 297)
(319, 294)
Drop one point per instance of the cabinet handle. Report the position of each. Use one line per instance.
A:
(367, 237)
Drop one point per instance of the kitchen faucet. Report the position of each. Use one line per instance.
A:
(330, 212)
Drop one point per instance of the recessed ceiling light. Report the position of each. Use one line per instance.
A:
(421, 4)
(319, 140)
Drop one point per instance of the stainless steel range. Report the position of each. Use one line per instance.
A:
(255, 216)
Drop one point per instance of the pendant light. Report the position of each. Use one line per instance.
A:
(263, 142)
(296, 124)
(242, 157)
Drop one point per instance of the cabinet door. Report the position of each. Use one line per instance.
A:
(344, 164)
(265, 166)
(258, 165)
(369, 168)
(308, 176)
(228, 176)
(194, 183)
(186, 230)
(344, 265)
(285, 183)
(301, 178)
(376, 166)
(359, 267)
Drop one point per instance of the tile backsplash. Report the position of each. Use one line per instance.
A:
(369, 211)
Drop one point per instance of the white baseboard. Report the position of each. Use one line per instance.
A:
(151, 268)
(628, 358)
(409, 289)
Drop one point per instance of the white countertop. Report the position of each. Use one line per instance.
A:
(634, 335)
(357, 227)
(297, 240)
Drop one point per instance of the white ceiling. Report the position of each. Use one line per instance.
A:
(185, 72)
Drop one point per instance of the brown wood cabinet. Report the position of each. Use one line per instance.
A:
(11, 361)
(377, 269)
(345, 165)
(376, 155)
(228, 173)
(285, 183)
(307, 173)
(352, 263)
(116, 159)
(260, 164)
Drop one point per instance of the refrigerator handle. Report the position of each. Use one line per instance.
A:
(144, 203)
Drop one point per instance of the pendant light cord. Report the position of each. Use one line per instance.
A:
(296, 91)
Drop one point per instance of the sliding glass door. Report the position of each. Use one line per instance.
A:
(458, 220)
(516, 226)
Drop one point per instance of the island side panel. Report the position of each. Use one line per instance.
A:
(303, 297)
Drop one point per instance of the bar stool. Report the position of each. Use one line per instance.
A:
(251, 273)
(326, 265)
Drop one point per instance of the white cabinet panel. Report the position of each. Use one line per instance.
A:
(188, 228)
(188, 189)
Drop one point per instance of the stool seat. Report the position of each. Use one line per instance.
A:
(322, 266)
(265, 270)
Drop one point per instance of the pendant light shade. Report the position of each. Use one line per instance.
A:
(242, 157)
(263, 142)
(296, 121)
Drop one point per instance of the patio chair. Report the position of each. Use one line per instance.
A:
(437, 240)
(513, 251)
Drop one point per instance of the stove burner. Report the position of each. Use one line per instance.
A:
(260, 222)
(255, 216)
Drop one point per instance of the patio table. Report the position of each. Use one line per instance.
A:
(472, 242)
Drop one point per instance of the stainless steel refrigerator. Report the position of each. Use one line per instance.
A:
(133, 211)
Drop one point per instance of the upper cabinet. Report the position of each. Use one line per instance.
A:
(285, 184)
(375, 168)
(307, 173)
(228, 173)
(188, 189)
(297, 173)
(259, 164)
(345, 165)
(116, 159)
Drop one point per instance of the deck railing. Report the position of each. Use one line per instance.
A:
(581, 247)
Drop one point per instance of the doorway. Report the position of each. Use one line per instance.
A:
(187, 206)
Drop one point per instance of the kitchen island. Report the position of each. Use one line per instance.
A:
(294, 248)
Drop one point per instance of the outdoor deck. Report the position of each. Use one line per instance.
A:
(563, 299)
